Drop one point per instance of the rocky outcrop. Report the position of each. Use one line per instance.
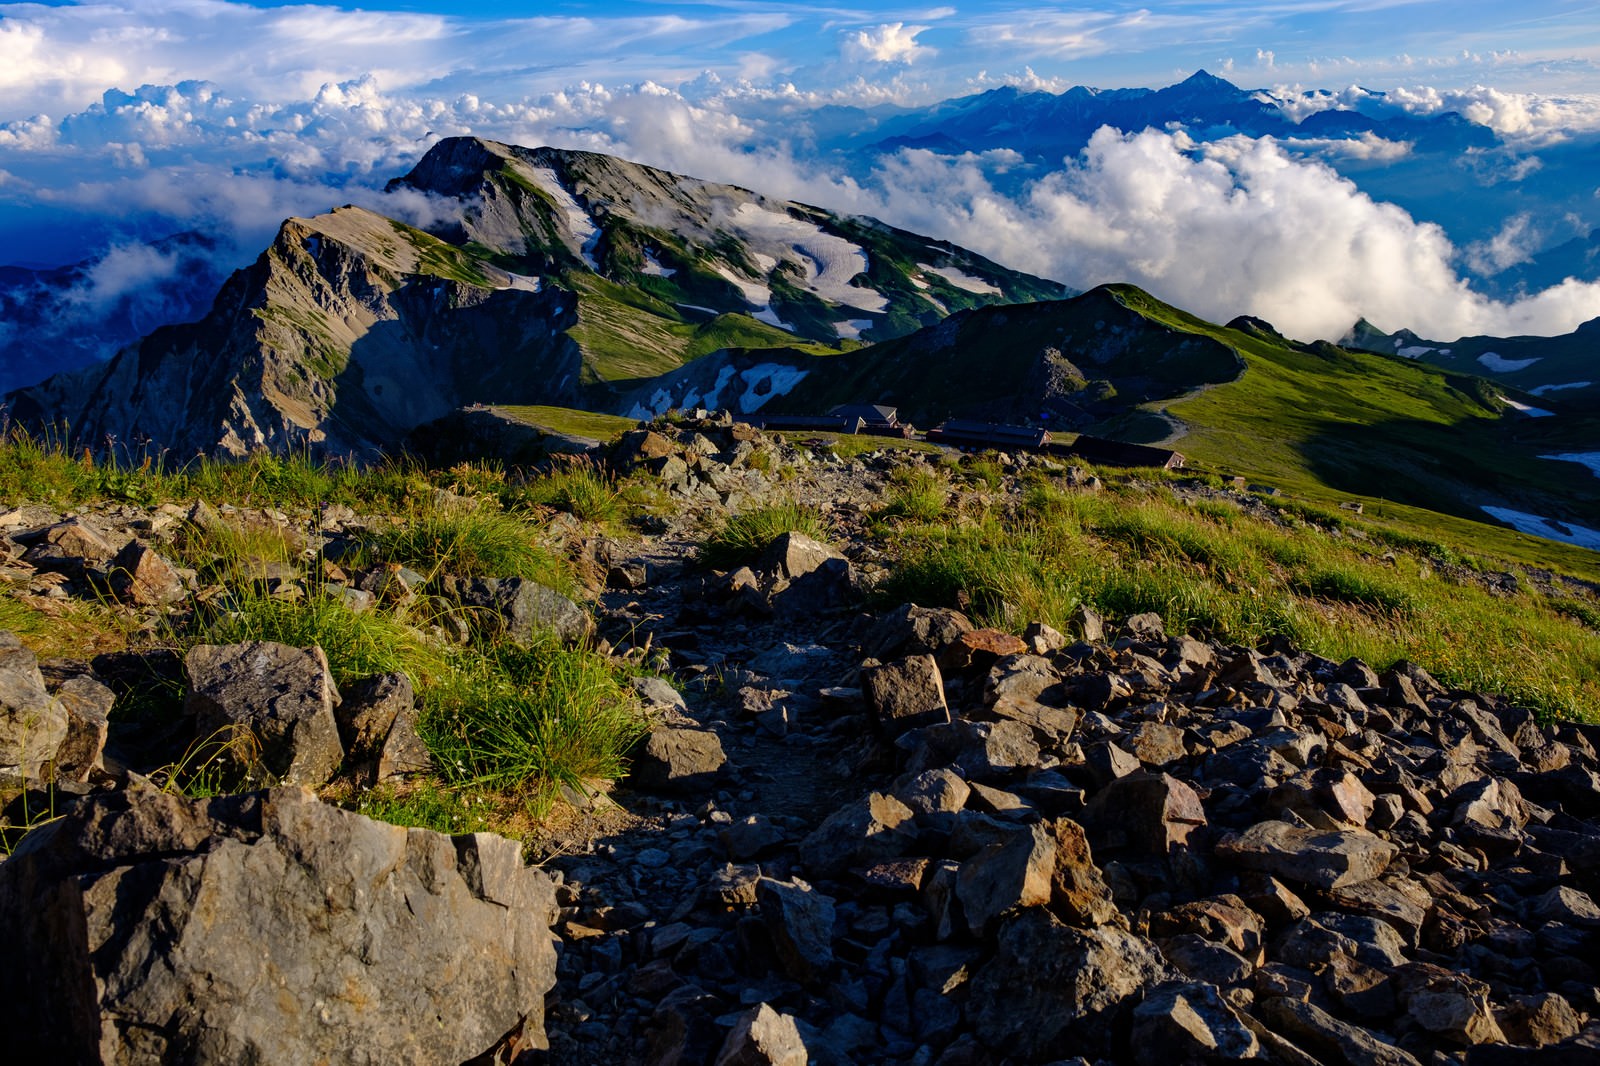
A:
(268, 928)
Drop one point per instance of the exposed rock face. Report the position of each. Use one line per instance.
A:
(267, 928)
(33, 724)
(284, 697)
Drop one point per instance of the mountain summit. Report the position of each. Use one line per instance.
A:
(548, 276)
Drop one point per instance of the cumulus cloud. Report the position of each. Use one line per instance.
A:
(58, 59)
(1515, 243)
(1368, 147)
(892, 42)
(1236, 226)
(1528, 116)
(1241, 227)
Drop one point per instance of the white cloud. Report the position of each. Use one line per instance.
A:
(1526, 116)
(1368, 147)
(1516, 242)
(892, 42)
(59, 59)
(1243, 229)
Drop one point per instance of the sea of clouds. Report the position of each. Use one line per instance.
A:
(1225, 227)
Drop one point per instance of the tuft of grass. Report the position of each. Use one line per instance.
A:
(357, 644)
(472, 542)
(581, 490)
(741, 538)
(530, 719)
(915, 493)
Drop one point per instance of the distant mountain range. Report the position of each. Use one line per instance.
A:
(1441, 167)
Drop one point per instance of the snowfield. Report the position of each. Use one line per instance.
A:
(761, 383)
(1542, 389)
(653, 267)
(1415, 351)
(1501, 365)
(827, 262)
(1588, 459)
(578, 220)
(961, 280)
(1537, 526)
(850, 330)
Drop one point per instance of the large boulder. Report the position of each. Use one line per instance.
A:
(283, 696)
(267, 928)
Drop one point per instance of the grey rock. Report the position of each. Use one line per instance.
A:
(267, 928)
(676, 760)
(282, 696)
(521, 609)
(88, 705)
(934, 791)
(906, 695)
(33, 724)
(875, 827)
(378, 727)
(1326, 859)
(1329, 1039)
(1148, 813)
(1188, 1022)
(1006, 877)
(142, 577)
(1051, 990)
(763, 1037)
(912, 630)
(799, 921)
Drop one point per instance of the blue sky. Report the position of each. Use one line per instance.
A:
(55, 57)
(125, 121)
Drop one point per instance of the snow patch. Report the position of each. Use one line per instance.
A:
(578, 220)
(770, 317)
(1501, 365)
(1538, 526)
(1531, 412)
(1588, 459)
(1542, 389)
(851, 330)
(711, 401)
(755, 294)
(523, 283)
(827, 262)
(653, 267)
(766, 380)
(696, 307)
(1414, 351)
(962, 280)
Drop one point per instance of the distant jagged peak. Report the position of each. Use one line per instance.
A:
(1204, 79)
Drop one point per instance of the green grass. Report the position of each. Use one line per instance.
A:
(851, 445)
(571, 422)
(1241, 579)
(530, 719)
(471, 541)
(916, 493)
(581, 489)
(741, 538)
(358, 644)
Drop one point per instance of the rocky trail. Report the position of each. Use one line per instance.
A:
(857, 832)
